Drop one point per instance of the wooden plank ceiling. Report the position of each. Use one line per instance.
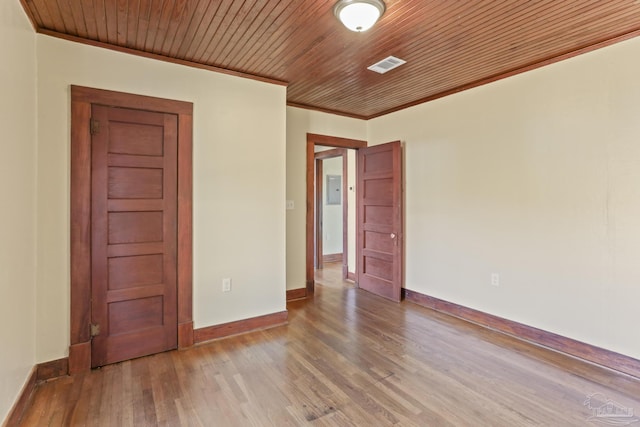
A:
(449, 45)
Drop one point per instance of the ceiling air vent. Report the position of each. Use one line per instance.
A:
(387, 64)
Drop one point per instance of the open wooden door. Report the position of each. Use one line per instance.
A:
(380, 227)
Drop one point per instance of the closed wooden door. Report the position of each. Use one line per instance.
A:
(134, 234)
(380, 227)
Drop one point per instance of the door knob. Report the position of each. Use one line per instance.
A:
(393, 235)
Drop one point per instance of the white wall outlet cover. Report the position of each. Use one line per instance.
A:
(495, 279)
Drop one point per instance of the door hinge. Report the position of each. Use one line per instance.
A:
(94, 329)
(94, 126)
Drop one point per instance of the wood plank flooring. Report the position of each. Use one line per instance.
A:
(347, 358)
(331, 276)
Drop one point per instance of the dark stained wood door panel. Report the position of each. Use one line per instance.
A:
(380, 220)
(134, 234)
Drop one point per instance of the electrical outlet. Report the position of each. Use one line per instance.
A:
(290, 205)
(226, 284)
(495, 279)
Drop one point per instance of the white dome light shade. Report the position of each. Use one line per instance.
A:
(359, 15)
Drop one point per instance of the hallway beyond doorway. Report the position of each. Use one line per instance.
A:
(331, 276)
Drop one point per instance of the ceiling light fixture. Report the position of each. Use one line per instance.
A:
(359, 15)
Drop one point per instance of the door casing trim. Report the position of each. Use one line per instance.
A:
(80, 213)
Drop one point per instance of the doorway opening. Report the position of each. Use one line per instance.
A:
(332, 207)
(379, 220)
(321, 148)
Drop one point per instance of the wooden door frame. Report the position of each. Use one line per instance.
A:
(80, 213)
(312, 141)
(319, 186)
(319, 215)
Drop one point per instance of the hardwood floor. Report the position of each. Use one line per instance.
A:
(347, 358)
(331, 276)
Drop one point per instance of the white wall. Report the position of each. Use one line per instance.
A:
(331, 214)
(537, 178)
(299, 123)
(18, 195)
(239, 182)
